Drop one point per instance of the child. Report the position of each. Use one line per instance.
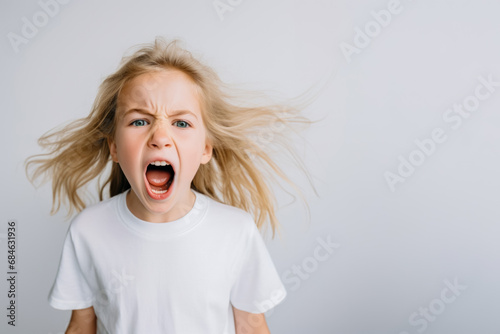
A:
(175, 248)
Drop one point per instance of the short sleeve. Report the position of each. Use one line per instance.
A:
(70, 290)
(257, 287)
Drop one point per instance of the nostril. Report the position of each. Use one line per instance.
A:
(159, 138)
(159, 143)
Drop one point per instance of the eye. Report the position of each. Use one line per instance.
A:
(139, 122)
(181, 124)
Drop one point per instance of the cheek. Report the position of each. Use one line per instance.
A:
(126, 149)
(192, 155)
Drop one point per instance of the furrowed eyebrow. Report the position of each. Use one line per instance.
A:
(174, 113)
(140, 111)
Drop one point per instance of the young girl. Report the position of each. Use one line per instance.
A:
(175, 248)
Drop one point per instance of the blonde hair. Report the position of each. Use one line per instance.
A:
(241, 163)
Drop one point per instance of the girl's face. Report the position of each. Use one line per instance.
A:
(160, 142)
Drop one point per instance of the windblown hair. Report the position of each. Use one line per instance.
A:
(242, 162)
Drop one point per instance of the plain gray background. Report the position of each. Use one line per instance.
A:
(397, 250)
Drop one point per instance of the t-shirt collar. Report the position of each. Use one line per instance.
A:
(160, 231)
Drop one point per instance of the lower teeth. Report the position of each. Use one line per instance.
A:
(158, 192)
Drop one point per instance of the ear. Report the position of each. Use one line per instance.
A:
(207, 153)
(112, 149)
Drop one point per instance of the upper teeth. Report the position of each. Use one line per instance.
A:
(159, 163)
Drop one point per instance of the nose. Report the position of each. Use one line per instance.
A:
(160, 136)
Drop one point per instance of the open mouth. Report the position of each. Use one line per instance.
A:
(159, 175)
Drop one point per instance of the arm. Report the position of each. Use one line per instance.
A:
(250, 323)
(82, 322)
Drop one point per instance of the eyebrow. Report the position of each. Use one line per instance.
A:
(182, 112)
(172, 114)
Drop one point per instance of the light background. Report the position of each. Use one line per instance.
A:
(397, 248)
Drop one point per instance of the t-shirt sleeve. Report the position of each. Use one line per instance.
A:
(70, 290)
(258, 287)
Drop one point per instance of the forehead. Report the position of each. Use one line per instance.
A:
(167, 88)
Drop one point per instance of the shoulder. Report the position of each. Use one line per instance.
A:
(229, 217)
(228, 211)
(94, 216)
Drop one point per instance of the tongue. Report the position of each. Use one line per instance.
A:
(157, 177)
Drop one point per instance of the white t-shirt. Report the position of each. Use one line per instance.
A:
(176, 277)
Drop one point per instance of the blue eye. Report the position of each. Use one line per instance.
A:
(139, 122)
(182, 124)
